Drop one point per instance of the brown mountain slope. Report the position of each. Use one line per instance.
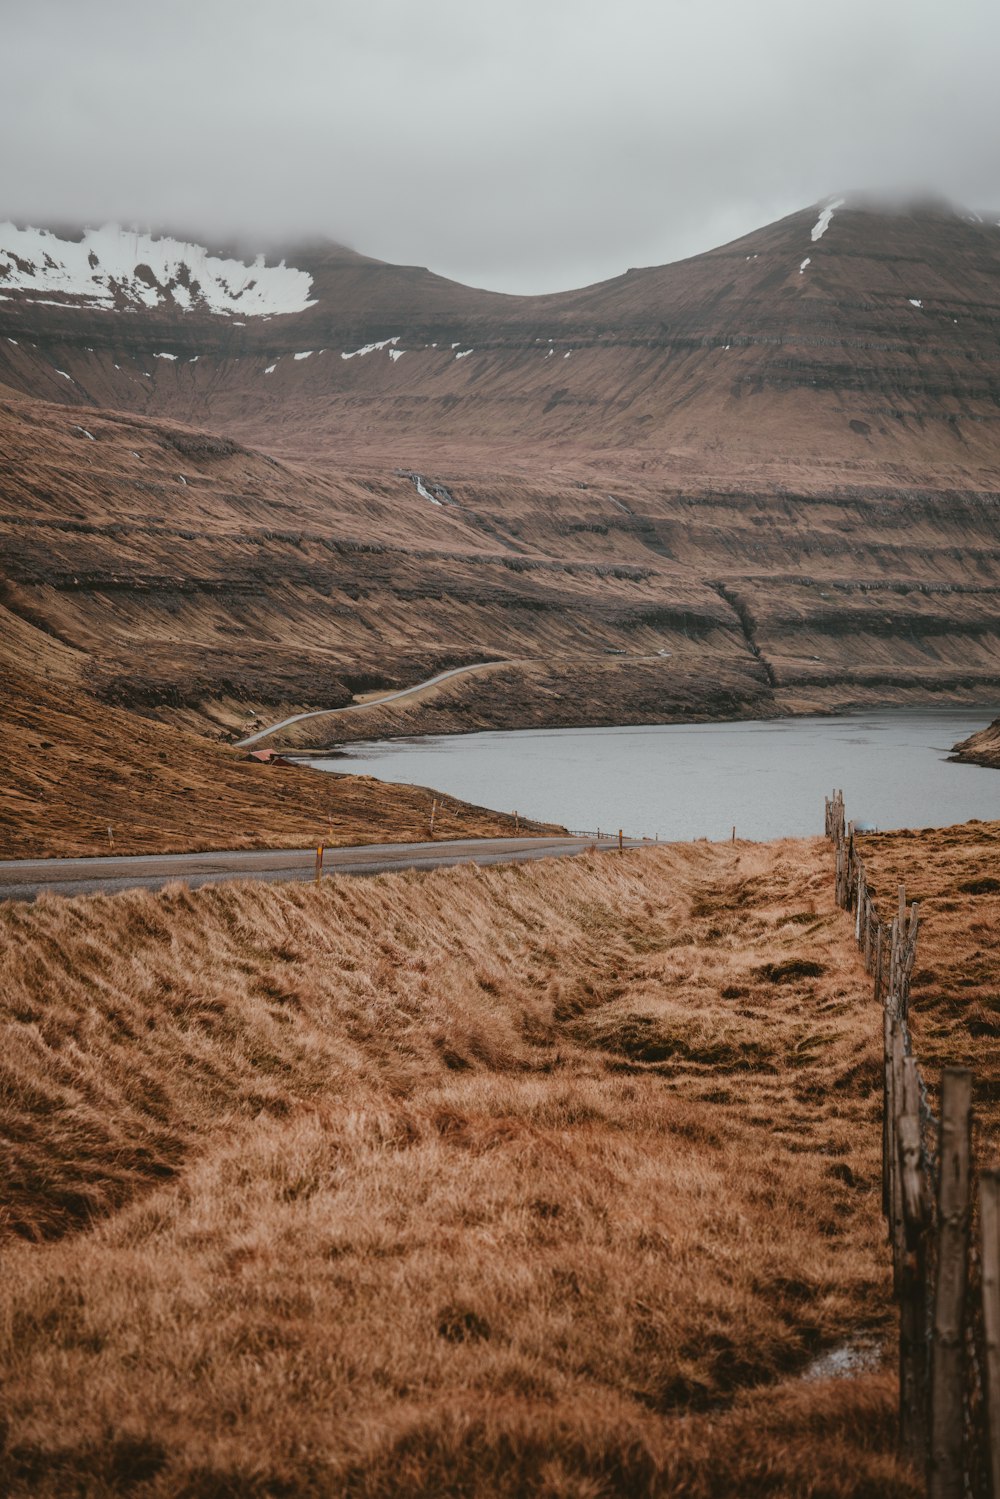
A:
(753, 486)
(867, 355)
(193, 578)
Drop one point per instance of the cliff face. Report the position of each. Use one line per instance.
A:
(760, 480)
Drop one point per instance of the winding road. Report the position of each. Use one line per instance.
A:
(375, 702)
(24, 879)
(419, 688)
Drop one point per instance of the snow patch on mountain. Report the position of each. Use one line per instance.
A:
(385, 343)
(113, 266)
(822, 224)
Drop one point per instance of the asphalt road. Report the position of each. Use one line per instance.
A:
(24, 879)
(375, 702)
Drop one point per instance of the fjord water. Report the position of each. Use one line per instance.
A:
(681, 781)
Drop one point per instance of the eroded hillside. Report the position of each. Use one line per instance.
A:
(189, 577)
(759, 481)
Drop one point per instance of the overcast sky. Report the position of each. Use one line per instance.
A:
(527, 145)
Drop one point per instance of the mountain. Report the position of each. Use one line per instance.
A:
(842, 344)
(761, 480)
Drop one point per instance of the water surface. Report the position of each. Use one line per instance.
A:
(681, 781)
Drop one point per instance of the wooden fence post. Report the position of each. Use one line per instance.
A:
(989, 1226)
(908, 952)
(886, 1116)
(945, 1480)
(621, 841)
(897, 1226)
(913, 1280)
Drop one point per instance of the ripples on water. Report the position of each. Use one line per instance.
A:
(681, 781)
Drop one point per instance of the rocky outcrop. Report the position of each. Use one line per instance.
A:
(980, 749)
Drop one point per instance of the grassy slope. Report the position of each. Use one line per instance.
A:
(531, 1180)
(71, 767)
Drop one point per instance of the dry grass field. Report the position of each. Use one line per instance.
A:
(955, 997)
(548, 1180)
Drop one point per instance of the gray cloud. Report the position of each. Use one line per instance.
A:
(528, 145)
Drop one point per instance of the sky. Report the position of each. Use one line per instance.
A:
(522, 145)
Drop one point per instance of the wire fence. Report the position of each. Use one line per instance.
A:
(942, 1216)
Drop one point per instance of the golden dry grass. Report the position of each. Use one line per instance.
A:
(954, 873)
(539, 1180)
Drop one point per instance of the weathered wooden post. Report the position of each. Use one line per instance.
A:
(945, 1471)
(887, 1119)
(908, 952)
(894, 959)
(878, 962)
(897, 1226)
(621, 841)
(989, 1227)
(913, 1280)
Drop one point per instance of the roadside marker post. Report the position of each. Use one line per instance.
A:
(319, 862)
(621, 841)
(433, 811)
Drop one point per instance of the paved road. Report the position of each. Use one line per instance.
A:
(375, 702)
(23, 879)
(417, 689)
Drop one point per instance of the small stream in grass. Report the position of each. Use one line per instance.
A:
(683, 781)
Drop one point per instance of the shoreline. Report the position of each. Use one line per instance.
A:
(692, 779)
(343, 749)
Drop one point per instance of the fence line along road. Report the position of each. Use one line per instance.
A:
(946, 1279)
